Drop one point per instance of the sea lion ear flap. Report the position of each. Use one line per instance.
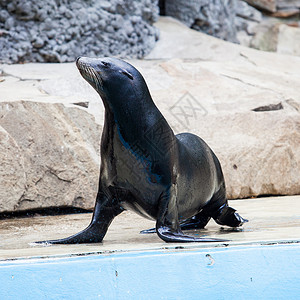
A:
(127, 74)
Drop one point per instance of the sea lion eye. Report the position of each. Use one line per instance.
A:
(127, 74)
(106, 64)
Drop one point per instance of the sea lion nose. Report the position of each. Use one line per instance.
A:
(77, 59)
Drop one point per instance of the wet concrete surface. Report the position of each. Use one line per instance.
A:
(271, 220)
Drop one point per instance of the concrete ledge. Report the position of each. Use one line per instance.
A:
(271, 220)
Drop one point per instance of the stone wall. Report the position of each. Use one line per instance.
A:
(61, 30)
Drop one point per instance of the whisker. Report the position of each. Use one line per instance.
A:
(91, 74)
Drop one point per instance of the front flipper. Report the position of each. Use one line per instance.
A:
(171, 236)
(104, 212)
(92, 234)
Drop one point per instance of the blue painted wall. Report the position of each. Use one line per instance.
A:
(252, 272)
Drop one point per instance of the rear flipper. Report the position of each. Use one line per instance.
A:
(198, 221)
(228, 216)
(167, 224)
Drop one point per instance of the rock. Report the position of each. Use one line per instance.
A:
(288, 41)
(270, 107)
(4, 15)
(258, 149)
(12, 173)
(38, 43)
(48, 27)
(261, 156)
(266, 36)
(49, 156)
(172, 44)
(9, 23)
(283, 4)
(285, 13)
(231, 20)
(268, 5)
(212, 17)
(277, 37)
(246, 20)
(246, 12)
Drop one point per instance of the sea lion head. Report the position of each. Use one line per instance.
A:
(112, 78)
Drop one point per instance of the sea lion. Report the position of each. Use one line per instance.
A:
(145, 166)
